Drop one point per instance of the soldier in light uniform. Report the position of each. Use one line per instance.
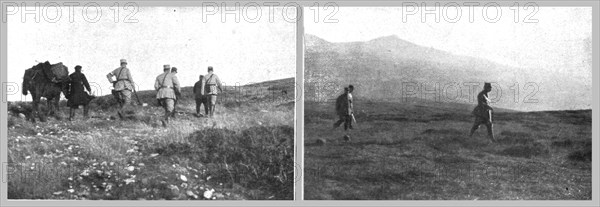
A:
(166, 84)
(177, 93)
(483, 112)
(122, 86)
(209, 88)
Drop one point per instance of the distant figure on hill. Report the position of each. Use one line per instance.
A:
(483, 112)
(77, 96)
(344, 109)
(199, 97)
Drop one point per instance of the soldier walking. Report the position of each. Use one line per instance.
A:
(344, 109)
(76, 94)
(122, 86)
(177, 93)
(483, 112)
(210, 86)
(199, 97)
(166, 85)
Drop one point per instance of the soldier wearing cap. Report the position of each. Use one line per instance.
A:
(177, 93)
(344, 108)
(209, 89)
(166, 85)
(122, 86)
(483, 112)
(76, 94)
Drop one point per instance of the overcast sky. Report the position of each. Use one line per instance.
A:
(557, 49)
(557, 39)
(241, 52)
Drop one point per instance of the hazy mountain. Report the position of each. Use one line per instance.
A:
(389, 67)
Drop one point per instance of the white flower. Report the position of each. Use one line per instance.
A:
(129, 180)
(208, 194)
(183, 178)
(131, 168)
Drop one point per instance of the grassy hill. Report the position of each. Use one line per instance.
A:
(244, 152)
(421, 150)
(389, 67)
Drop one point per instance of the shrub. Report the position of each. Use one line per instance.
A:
(583, 155)
(256, 158)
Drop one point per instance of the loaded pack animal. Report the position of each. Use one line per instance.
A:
(48, 81)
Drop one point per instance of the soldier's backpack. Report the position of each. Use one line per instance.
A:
(341, 104)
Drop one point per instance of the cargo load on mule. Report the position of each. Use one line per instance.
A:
(56, 73)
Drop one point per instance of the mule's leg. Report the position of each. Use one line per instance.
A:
(36, 108)
(49, 102)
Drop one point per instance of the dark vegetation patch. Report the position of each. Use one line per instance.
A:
(511, 138)
(443, 131)
(259, 158)
(526, 151)
(582, 155)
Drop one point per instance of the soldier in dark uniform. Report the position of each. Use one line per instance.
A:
(199, 97)
(344, 109)
(483, 112)
(77, 95)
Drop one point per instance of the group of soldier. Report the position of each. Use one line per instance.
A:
(206, 89)
(482, 112)
(168, 91)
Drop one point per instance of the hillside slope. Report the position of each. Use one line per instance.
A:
(391, 67)
(423, 152)
(244, 152)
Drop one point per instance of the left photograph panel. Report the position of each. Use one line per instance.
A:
(130, 102)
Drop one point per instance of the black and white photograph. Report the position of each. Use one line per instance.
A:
(445, 101)
(117, 101)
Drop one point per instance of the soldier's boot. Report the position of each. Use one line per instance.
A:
(165, 120)
(491, 132)
(475, 127)
(71, 114)
(120, 113)
(338, 123)
(349, 121)
(86, 111)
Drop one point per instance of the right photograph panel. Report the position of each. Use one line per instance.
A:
(451, 102)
